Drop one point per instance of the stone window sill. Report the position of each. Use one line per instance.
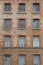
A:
(35, 12)
(7, 12)
(7, 28)
(21, 13)
(35, 29)
(21, 29)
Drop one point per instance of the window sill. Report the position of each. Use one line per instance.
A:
(35, 29)
(36, 47)
(7, 28)
(7, 47)
(7, 12)
(21, 13)
(22, 47)
(21, 29)
(34, 12)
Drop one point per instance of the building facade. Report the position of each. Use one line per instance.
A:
(21, 32)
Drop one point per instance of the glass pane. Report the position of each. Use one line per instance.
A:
(35, 41)
(36, 23)
(7, 60)
(7, 23)
(22, 60)
(7, 41)
(36, 7)
(21, 41)
(36, 60)
(7, 7)
(21, 23)
(22, 7)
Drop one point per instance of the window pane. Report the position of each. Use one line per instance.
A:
(21, 7)
(7, 7)
(22, 60)
(35, 41)
(21, 23)
(7, 60)
(36, 7)
(36, 60)
(7, 41)
(36, 23)
(21, 41)
(7, 23)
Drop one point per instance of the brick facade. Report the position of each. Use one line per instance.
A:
(14, 32)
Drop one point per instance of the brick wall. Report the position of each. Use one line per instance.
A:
(14, 32)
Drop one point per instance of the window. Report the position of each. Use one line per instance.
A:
(36, 7)
(21, 60)
(7, 7)
(7, 41)
(7, 23)
(7, 60)
(22, 23)
(36, 41)
(36, 24)
(21, 41)
(36, 60)
(22, 7)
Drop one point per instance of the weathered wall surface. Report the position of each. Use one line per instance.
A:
(14, 32)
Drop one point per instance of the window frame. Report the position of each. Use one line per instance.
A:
(5, 27)
(34, 56)
(19, 7)
(38, 4)
(33, 26)
(20, 46)
(5, 7)
(22, 28)
(6, 46)
(37, 46)
(7, 55)
(22, 56)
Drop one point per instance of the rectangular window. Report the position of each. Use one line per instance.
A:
(36, 41)
(7, 60)
(36, 24)
(7, 41)
(7, 7)
(21, 41)
(22, 7)
(36, 60)
(21, 60)
(22, 23)
(36, 7)
(7, 23)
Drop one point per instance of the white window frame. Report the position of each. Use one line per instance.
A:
(8, 43)
(21, 23)
(36, 26)
(6, 60)
(36, 59)
(22, 41)
(35, 42)
(22, 60)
